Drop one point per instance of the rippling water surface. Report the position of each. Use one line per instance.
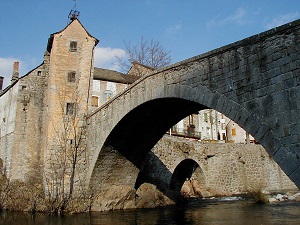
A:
(226, 211)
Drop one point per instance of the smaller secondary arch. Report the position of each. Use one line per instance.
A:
(187, 169)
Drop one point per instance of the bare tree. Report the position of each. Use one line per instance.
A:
(149, 53)
(68, 149)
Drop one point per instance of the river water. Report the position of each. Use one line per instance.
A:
(224, 211)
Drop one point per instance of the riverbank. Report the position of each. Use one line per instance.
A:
(283, 196)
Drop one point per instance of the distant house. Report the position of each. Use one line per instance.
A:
(108, 83)
(137, 69)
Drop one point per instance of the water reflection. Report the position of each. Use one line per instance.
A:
(225, 212)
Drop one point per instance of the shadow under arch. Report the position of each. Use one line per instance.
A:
(184, 170)
(136, 134)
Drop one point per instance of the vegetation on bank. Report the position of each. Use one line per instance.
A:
(258, 196)
(31, 196)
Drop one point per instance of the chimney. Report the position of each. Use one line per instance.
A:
(1, 82)
(15, 75)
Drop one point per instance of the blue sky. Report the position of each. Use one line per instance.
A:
(185, 27)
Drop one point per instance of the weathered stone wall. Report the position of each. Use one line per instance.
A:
(112, 169)
(28, 153)
(8, 111)
(226, 168)
(22, 125)
(68, 101)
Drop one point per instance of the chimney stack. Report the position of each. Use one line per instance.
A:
(15, 75)
(1, 82)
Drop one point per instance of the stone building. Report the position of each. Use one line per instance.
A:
(47, 106)
(210, 126)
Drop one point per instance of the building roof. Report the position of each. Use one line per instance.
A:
(2, 92)
(50, 40)
(142, 65)
(113, 76)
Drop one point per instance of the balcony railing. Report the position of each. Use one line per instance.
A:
(187, 133)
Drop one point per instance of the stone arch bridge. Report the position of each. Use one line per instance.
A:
(254, 82)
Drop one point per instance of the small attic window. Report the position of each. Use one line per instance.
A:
(71, 76)
(73, 46)
(39, 73)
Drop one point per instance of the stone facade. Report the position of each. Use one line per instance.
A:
(34, 108)
(22, 115)
(225, 168)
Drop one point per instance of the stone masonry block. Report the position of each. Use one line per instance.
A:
(251, 123)
(263, 128)
(280, 154)
(242, 116)
(270, 143)
(297, 183)
(220, 103)
(290, 163)
(234, 110)
(290, 139)
(295, 175)
(213, 100)
(195, 95)
(295, 148)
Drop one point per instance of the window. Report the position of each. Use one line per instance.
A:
(70, 110)
(95, 101)
(207, 130)
(73, 46)
(71, 76)
(107, 95)
(39, 73)
(205, 117)
(96, 85)
(233, 132)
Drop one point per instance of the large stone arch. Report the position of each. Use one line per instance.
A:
(254, 82)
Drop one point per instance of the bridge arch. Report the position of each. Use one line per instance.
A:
(253, 82)
(142, 127)
(187, 169)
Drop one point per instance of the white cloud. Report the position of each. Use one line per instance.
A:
(106, 57)
(280, 20)
(174, 29)
(238, 17)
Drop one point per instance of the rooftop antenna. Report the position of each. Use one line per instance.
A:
(74, 14)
